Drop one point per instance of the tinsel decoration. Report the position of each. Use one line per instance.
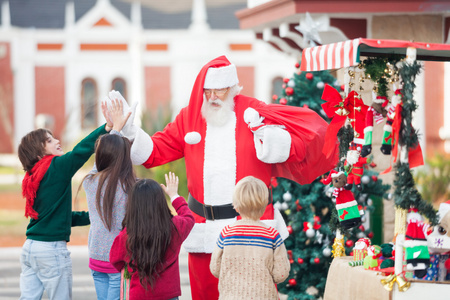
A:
(338, 247)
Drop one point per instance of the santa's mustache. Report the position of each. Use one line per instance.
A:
(217, 102)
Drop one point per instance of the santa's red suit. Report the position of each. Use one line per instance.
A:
(258, 139)
(356, 171)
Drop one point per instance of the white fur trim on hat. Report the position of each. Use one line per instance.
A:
(334, 175)
(219, 78)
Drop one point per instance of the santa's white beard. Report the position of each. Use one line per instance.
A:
(352, 157)
(218, 115)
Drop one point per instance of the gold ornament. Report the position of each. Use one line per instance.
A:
(388, 283)
(342, 112)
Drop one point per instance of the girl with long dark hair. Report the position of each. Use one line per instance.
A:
(149, 244)
(107, 186)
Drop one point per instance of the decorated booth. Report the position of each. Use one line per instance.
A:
(415, 264)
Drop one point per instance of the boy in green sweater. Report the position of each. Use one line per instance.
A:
(47, 187)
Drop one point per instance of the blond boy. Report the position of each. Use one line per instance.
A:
(250, 257)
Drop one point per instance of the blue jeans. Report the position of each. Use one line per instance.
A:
(45, 266)
(107, 285)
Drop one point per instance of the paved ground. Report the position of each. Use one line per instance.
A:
(83, 284)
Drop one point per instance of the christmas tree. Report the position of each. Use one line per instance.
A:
(308, 210)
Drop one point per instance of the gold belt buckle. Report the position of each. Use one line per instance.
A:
(210, 207)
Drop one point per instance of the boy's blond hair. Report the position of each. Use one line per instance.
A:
(250, 197)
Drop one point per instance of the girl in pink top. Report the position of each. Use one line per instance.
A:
(150, 242)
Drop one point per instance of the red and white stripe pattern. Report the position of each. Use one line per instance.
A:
(345, 54)
(331, 56)
(249, 235)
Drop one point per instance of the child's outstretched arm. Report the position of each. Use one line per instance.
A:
(184, 221)
(80, 218)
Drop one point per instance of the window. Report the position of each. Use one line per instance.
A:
(119, 85)
(88, 104)
(277, 87)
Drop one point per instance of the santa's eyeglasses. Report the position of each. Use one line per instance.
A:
(218, 92)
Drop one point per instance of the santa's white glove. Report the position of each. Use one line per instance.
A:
(255, 123)
(252, 118)
(129, 130)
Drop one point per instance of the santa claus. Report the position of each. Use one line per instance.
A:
(225, 136)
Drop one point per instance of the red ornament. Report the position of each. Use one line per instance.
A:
(289, 91)
(305, 106)
(361, 228)
(343, 87)
(372, 164)
(289, 229)
(300, 260)
(297, 65)
(374, 178)
(349, 243)
(274, 182)
(316, 219)
(285, 80)
(317, 260)
(291, 259)
(299, 207)
(351, 253)
(292, 282)
(274, 97)
(370, 235)
(283, 101)
(309, 76)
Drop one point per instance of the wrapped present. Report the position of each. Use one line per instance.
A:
(371, 261)
(436, 271)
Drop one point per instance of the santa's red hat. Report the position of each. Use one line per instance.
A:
(333, 174)
(383, 100)
(221, 74)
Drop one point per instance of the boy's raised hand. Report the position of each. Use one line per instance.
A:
(171, 187)
(116, 114)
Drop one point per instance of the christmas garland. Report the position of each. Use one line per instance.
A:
(377, 70)
(345, 136)
(405, 193)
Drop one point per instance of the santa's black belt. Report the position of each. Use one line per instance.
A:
(210, 212)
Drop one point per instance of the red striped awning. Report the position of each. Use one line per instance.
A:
(348, 53)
